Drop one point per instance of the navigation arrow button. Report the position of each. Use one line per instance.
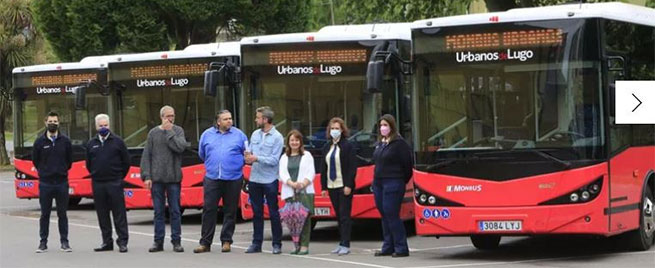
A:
(633, 110)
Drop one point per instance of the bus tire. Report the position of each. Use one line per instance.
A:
(485, 242)
(642, 238)
(74, 201)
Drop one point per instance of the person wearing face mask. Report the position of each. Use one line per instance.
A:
(108, 162)
(338, 178)
(161, 171)
(393, 170)
(52, 157)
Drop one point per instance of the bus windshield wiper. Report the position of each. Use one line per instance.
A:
(564, 163)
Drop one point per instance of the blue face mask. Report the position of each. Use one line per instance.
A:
(103, 131)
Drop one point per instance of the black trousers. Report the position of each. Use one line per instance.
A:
(58, 192)
(214, 190)
(108, 196)
(342, 207)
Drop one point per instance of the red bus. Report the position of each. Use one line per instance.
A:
(308, 78)
(514, 124)
(141, 84)
(40, 89)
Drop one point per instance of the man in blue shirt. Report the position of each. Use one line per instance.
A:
(222, 148)
(264, 155)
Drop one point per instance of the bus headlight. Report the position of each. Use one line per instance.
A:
(432, 200)
(583, 194)
(423, 198)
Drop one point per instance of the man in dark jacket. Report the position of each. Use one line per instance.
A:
(52, 157)
(161, 170)
(108, 162)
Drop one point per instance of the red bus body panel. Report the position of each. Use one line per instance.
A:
(519, 199)
(78, 180)
(363, 204)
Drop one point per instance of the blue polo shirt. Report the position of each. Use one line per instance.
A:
(223, 153)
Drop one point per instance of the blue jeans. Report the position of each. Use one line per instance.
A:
(59, 192)
(258, 192)
(389, 195)
(160, 192)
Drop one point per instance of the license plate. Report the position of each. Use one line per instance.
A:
(500, 226)
(322, 211)
(71, 191)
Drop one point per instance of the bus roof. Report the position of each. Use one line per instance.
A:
(58, 67)
(221, 49)
(614, 11)
(386, 31)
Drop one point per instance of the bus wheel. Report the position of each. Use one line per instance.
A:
(74, 201)
(642, 238)
(485, 242)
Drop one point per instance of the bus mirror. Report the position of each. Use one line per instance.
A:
(80, 96)
(616, 64)
(374, 74)
(211, 82)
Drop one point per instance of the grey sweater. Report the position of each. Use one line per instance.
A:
(162, 156)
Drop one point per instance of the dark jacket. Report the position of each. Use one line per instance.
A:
(52, 160)
(393, 161)
(108, 161)
(348, 163)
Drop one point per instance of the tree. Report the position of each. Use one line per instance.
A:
(18, 40)
(402, 10)
(79, 28)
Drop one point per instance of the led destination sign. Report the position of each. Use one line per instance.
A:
(62, 79)
(173, 70)
(317, 56)
(495, 40)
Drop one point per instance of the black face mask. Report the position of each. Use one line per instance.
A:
(52, 128)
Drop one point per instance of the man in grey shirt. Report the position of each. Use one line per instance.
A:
(161, 170)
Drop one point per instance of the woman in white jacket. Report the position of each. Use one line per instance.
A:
(297, 176)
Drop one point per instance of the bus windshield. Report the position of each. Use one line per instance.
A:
(308, 84)
(35, 97)
(513, 92)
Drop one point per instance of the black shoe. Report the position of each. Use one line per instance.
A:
(122, 248)
(254, 249)
(379, 253)
(177, 247)
(156, 247)
(65, 247)
(277, 250)
(400, 255)
(43, 247)
(104, 247)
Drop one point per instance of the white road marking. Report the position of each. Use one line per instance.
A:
(216, 243)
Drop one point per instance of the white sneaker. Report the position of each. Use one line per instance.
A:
(336, 250)
(344, 251)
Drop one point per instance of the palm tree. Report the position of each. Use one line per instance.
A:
(17, 42)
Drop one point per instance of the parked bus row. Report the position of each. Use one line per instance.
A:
(510, 114)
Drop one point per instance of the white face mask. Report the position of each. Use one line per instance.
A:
(335, 134)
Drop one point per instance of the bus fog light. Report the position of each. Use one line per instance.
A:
(587, 218)
(432, 200)
(574, 197)
(423, 198)
(585, 196)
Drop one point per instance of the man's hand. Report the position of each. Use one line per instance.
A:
(251, 158)
(166, 124)
(324, 193)
(148, 184)
(346, 191)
